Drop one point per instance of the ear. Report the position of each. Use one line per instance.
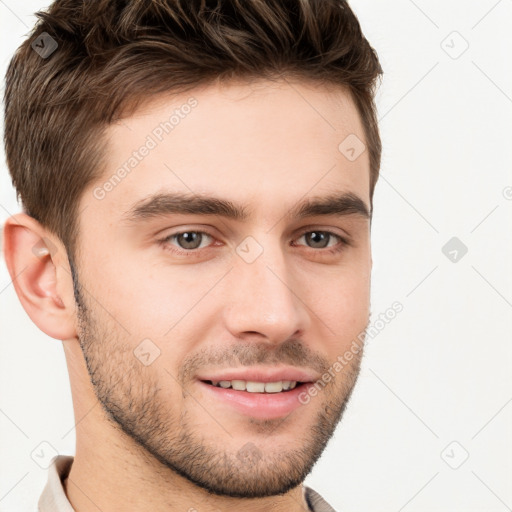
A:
(38, 265)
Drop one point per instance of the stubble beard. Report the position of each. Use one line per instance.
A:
(132, 398)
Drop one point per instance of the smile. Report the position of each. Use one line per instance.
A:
(255, 387)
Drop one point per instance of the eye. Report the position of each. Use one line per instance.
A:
(320, 240)
(189, 243)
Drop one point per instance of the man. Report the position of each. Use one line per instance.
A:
(197, 182)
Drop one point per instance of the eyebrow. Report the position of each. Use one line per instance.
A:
(163, 204)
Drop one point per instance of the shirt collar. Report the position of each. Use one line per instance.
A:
(53, 498)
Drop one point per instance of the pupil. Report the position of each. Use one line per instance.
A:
(316, 234)
(191, 238)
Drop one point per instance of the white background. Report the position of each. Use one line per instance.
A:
(440, 372)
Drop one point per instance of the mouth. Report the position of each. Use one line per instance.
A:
(256, 399)
(282, 386)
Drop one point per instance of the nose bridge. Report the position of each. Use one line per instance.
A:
(265, 300)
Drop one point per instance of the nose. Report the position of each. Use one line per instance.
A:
(265, 299)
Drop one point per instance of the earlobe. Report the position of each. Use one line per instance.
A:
(32, 256)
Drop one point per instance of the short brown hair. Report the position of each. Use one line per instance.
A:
(112, 55)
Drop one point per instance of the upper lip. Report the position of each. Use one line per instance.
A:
(261, 374)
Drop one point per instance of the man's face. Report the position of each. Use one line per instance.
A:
(171, 301)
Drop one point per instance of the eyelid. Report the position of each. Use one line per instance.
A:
(326, 229)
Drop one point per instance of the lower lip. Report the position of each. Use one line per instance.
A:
(258, 405)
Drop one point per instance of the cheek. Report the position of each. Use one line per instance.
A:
(144, 299)
(342, 307)
(161, 314)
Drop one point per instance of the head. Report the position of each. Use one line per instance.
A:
(202, 176)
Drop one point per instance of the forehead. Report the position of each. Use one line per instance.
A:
(258, 142)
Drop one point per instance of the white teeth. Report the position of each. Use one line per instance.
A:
(273, 387)
(256, 387)
(239, 385)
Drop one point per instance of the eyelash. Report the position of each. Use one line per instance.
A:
(164, 242)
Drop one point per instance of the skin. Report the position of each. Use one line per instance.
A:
(147, 437)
